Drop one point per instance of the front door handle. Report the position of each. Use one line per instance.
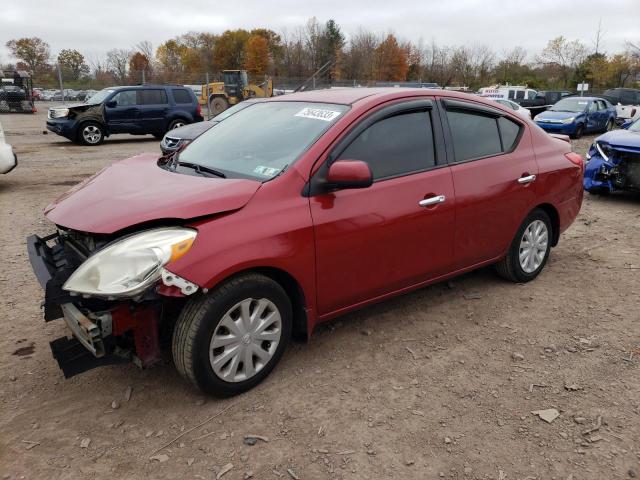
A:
(432, 201)
(527, 179)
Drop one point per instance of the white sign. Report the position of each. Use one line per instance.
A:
(583, 87)
(318, 114)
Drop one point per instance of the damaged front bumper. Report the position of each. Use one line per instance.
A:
(102, 332)
(615, 170)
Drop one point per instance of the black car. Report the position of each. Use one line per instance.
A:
(137, 110)
(177, 138)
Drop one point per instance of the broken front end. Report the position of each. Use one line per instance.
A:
(114, 294)
(612, 167)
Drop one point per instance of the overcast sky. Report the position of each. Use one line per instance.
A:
(95, 27)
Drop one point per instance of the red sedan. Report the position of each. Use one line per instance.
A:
(289, 213)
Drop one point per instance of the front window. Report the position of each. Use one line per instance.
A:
(100, 96)
(574, 105)
(261, 141)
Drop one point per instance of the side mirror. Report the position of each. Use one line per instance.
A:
(111, 104)
(349, 174)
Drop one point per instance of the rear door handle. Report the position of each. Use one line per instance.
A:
(527, 179)
(432, 200)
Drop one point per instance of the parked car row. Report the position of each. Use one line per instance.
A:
(70, 95)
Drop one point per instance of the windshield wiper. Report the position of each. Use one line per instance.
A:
(201, 168)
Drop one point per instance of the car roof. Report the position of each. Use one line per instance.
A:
(352, 95)
(146, 85)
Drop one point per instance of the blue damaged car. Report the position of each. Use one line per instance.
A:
(613, 161)
(574, 116)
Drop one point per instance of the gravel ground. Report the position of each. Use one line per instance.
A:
(440, 383)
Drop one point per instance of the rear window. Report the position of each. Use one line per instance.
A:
(509, 131)
(474, 135)
(180, 95)
(153, 97)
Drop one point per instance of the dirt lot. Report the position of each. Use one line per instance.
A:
(437, 384)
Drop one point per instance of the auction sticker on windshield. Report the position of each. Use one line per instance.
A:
(318, 114)
(265, 171)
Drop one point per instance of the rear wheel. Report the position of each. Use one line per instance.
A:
(177, 123)
(227, 341)
(529, 249)
(609, 126)
(91, 133)
(218, 105)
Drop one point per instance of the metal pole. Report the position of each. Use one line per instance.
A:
(143, 77)
(60, 81)
(206, 96)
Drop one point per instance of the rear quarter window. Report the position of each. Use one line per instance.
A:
(153, 97)
(181, 95)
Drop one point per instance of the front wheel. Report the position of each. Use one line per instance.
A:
(91, 133)
(579, 131)
(529, 249)
(217, 105)
(228, 340)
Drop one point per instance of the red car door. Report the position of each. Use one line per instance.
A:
(494, 171)
(397, 232)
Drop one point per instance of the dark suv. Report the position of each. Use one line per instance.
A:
(138, 110)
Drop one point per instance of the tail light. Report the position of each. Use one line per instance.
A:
(199, 110)
(576, 159)
(633, 112)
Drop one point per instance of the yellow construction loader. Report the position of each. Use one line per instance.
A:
(234, 88)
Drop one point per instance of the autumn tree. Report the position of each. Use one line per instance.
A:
(256, 55)
(229, 49)
(118, 62)
(33, 52)
(564, 55)
(72, 64)
(390, 61)
(170, 54)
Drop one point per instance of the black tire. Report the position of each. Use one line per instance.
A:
(177, 123)
(602, 191)
(609, 126)
(96, 130)
(217, 105)
(509, 267)
(579, 131)
(201, 317)
(159, 136)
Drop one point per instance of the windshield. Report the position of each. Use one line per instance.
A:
(100, 96)
(261, 141)
(575, 105)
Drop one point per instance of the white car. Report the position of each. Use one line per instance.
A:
(8, 160)
(523, 112)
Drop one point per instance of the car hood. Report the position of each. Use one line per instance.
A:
(136, 190)
(551, 115)
(621, 138)
(191, 131)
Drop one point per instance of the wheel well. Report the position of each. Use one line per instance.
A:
(293, 290)
(555, 221)
(218, 95)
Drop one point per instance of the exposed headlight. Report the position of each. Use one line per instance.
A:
(131, 265)
(58, 112)
(569, 120)
(603, 149)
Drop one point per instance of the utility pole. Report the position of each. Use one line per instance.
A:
(60, 81)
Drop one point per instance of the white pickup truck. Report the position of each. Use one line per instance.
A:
(8, 160)
(627, 102)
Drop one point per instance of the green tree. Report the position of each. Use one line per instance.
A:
(72, 64)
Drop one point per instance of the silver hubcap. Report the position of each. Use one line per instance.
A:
(177, 125)
(533, 246)
(91, 134)
(245, 340)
